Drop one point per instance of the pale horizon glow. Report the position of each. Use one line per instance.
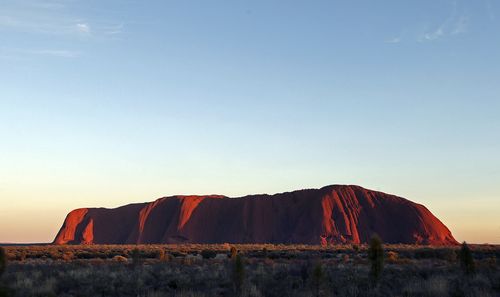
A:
(109, 103)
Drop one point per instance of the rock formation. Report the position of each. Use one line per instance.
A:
(332, 214)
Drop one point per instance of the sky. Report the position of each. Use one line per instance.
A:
(105, 103)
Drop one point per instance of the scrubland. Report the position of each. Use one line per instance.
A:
(249, 270)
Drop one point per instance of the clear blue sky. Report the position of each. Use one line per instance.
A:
(104, 103)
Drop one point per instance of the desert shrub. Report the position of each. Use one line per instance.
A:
(226, 246)
(208, 254)
(317, 278)
(21, 255)
(161, 255)
(345, 258)
(435, 286)
(466, 260)
(55, 254)
(234, 252)
(188, 260)
(449, 254)
(376, 257)
(284, 276)
(392, 256)
(84, 255)
(426, 253)
(238, 275)
(119, 258)
(177, 254)
(68, 256)
(491, 262)
(264, 252)
(274, 255)
(96, 261)
(137, 257)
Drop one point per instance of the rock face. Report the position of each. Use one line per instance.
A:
(332, 214)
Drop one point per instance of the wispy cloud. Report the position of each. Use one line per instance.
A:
(393, 40)
(20, 52)
(28, 22)
(83, 28)
(62, 30)
(455, 24)
(53, 18)
(436, 34)
(113, 29)
(55, 53)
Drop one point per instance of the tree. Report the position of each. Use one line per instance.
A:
(137, 257)
(376, 257)
(466, 260)
(3, 260)
(3, 263)
(317, 278)
(238, 276)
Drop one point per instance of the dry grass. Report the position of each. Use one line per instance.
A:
(270, 270)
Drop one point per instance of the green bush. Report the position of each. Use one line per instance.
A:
(376, 257)
(466, 260)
